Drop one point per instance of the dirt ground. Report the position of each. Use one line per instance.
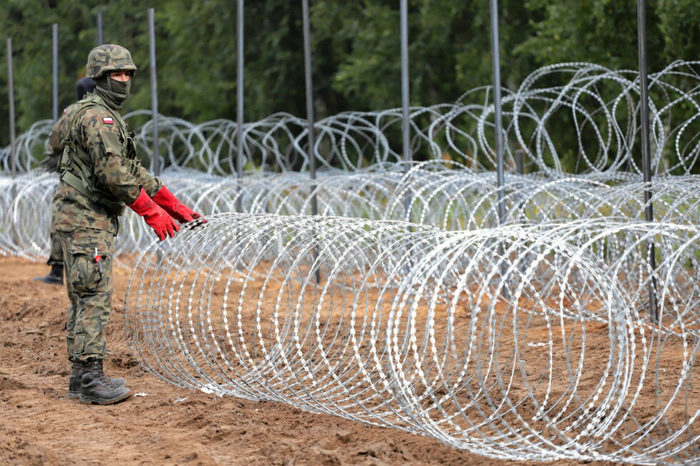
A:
(160, 424)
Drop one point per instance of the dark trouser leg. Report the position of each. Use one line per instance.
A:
(55, 276)
(56, 253)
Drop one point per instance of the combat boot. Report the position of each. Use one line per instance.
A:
(98, 389)
(54, 277)
(77, 370)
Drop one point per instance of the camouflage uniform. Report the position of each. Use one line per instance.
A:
(100, 173)
(51, 163)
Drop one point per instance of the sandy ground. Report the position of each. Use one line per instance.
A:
(162, 424)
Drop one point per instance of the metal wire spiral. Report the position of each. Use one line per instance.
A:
(521, 342)
(600, 103)
(430, 193)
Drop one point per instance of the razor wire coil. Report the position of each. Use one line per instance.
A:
(601, 104)
(430, 193)
(489, 340)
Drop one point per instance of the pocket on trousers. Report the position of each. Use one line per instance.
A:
(78, 345)
(85, 275)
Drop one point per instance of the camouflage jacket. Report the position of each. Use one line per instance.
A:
(100, 172)
(58, 132)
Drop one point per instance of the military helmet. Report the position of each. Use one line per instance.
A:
(108, 57)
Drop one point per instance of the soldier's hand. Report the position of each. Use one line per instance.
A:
(174, 207)
(157, 218)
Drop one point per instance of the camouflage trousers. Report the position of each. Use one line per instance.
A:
(89, 290)
(56, 253)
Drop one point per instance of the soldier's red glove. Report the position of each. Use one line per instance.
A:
(158, 219)
(174, 207)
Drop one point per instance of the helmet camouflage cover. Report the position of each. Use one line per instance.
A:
(108, 57)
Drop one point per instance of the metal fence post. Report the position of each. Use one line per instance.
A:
(54, 41)
(99, 28)
(309, 99)
(646, 156)
(239, 100)
(497, 110)
(154, 89)
(11, 98)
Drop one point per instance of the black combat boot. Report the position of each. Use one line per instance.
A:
(77, 370)
(97, 389)
(55, 276)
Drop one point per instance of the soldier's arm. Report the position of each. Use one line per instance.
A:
(149, 182)
(55, 145)
(60, 129)
(52, 156)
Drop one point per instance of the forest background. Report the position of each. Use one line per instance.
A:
(355, 47)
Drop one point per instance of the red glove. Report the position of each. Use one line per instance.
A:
(158, 219)
(174, 207)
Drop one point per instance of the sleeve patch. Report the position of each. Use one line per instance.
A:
(111, 143)
(108, 120)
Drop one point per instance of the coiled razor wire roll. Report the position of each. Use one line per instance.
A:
(521, 342)
(600, 103)
(431, 193)
(603, 104)
(25, 214)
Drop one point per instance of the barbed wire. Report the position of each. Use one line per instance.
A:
(429, 193)
(599, 107)
(520, 342)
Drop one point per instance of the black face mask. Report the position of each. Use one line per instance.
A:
(113, 92)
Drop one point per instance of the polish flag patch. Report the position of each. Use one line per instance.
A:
(108, 120)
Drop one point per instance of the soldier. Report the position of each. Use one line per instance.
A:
(100, 175)
(50, 163)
